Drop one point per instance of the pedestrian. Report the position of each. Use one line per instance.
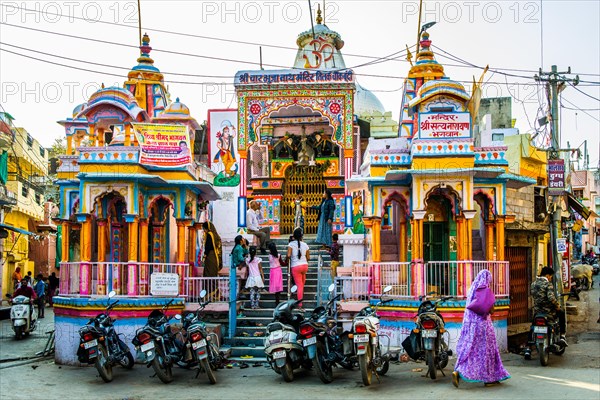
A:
(52, 287)
(16, 277)
(298, 255)
(213, 251)
(238, 258)
(40, 291)
(478, 359)
(275, 273)
(325, 216)
(29, 278)
(334, 253)
(253, 223)
(256, 278)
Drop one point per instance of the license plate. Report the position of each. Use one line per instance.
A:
(309, 341)
(361, 338)
(279, 354)
(540, 329)
(91, 343)
(429, 333)
(147, 346)
(199, 343)
(18, 308)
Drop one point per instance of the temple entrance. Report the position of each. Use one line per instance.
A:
(310, 180)
(435, 241)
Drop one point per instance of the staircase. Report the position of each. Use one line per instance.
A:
(389, 246)
(478, 253)
(251, 324)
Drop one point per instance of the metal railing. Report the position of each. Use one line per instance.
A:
(411, 280)
(217, 288)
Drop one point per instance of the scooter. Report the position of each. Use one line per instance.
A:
(99, 344)
(204, 345)
(282, 348)
(430, 329)
(323, 345)
(367, 340)
(23, 316)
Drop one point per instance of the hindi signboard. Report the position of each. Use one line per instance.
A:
(164, 284)
(556, 177)
(289, 77)
(163, 145)
(440, 125)
(561, 245)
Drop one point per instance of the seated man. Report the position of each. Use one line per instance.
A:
(253, 224)
(25, 290)
(544, 299)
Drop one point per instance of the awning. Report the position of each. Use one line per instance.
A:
(577, 206)
(12, 228)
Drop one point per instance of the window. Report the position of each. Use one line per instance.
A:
(38, 198)
(25, 191)
(498, 137)
(578, 193)
(42, 152)
(29, 140)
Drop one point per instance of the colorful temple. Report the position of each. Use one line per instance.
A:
(429, 195)
(132, 199)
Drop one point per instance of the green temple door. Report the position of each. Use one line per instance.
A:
(435, 241)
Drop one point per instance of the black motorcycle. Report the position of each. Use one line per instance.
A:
(546, 338)
(282, 348)
(426, 342)
(204, 345)
(100, 344)
(324, 346)
(158, 346)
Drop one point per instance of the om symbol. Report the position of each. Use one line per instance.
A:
(323, 52)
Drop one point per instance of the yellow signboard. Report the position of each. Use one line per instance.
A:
(163, 146)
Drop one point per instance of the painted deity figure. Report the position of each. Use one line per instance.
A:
(226, 152)
(299, 205)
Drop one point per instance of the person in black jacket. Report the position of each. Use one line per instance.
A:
(326, 215)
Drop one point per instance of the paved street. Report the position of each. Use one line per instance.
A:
(576, 375)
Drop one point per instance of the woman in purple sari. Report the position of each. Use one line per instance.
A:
(478, 356)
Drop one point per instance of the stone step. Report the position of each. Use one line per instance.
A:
(389, 248)
(389, 257)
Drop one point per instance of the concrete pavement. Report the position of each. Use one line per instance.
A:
(575, 375)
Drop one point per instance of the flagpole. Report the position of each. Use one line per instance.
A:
(140, 21)
(418, 26)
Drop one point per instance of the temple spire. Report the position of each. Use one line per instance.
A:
(319, 18)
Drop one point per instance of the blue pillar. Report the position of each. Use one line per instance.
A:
(232, 298)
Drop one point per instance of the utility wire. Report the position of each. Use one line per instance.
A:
(584, 93)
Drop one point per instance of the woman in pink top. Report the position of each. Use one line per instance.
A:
(275, 274)
(298, 255)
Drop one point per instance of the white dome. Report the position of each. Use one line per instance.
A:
(365, 102)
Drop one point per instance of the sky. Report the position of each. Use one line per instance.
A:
(518, 35)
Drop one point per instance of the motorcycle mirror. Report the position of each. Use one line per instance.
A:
(177, 317)
(112, 294)
(331, 287)
(294, 289)
(203, 294)
(387, 289)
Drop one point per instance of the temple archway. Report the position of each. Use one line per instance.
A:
(160, 229)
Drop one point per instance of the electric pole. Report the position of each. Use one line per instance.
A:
(556, 83)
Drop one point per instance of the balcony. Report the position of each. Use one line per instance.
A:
(7, 197)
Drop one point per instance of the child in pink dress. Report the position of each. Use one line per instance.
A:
(255, 278)
(275, 273)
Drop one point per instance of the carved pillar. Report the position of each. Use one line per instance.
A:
(102, 234)
(181, 264)
(192, 245)
(127, 135)
(500, 237)
(69, 145)
(460, 240)
(101, 137)
(403, 245)
(469, 215)
(417, 234)
(489, 240)
(85, 245)
(132, 266)
(66, 231)
(143, 256)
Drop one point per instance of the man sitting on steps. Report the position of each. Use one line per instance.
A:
(253, 224)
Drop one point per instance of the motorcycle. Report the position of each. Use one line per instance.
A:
(367, 342)
(100, 344)
(204, 345)
(159, 347)
(323, 344)
(23, 316)
(546, 338)
(427, 338)
(282, 348)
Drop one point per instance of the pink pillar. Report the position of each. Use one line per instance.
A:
(84, 278)
(132, 278)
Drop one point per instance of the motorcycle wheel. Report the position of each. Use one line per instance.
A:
(365, 365)
(561, 351)
(431, 368)
(383, 369)
(127, 360)
(102, 365)
(209, 371)
(324, 369)
(163, 371)
(544, 354)
(287, 371)
(18, 332)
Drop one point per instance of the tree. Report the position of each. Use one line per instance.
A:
(58, 148)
